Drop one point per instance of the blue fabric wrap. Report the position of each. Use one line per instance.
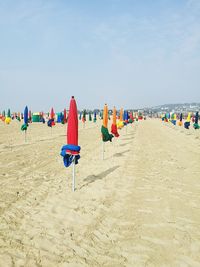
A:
(49, 123)
(187, 124)
(68, 158)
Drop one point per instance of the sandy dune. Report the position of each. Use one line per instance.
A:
(140, 206)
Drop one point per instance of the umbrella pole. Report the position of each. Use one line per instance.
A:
(73, 175)
(25, 136)
(103, 147)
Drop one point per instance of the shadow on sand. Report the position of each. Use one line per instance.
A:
(92, 178)
(120, 154)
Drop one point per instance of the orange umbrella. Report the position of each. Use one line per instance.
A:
(114, 116)
(106, 136)
(114, 125)
(105, 116)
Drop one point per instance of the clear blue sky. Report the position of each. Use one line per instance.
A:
(129, 53)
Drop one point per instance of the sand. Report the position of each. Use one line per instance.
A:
(140, 206)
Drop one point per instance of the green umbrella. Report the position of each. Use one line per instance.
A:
(90, 116)
(84, 116)
(8, 114)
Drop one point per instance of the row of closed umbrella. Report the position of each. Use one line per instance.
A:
(167, 117)
(70, 151)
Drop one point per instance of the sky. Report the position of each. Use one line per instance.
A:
(127, 53)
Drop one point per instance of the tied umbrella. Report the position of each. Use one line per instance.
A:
(181, 120)
(25, 125)
(187, 122)
(114, 124)
(173, 120)
(101, 115)
(70, 152)
(84, 117)
(42, 119)
(18, 116)
(120, 123)
(9, 114)
(126, 119)
(51, 121)
(80, 114)
(8, 118)
(196, 125)
(90, 116)
(131, 119)
(64, 116)
(95, 117)
(29, 116)
(106, 136)
(3, 115)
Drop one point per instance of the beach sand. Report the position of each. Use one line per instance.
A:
(140, 206)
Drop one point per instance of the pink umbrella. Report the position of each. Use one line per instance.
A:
(51, 121)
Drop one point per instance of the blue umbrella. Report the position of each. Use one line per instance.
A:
(126, 116)
(196, 117)
(26, 115)
(25, 125)
(95, 117)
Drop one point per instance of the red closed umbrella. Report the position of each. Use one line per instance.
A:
(30, 116)
(65, 116)
(52, 114)
(70, 152)
(51, 121)
(72, 126)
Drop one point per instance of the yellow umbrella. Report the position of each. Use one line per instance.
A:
(120, 123)
(188, 117)
(114, 116)
(121, 114)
